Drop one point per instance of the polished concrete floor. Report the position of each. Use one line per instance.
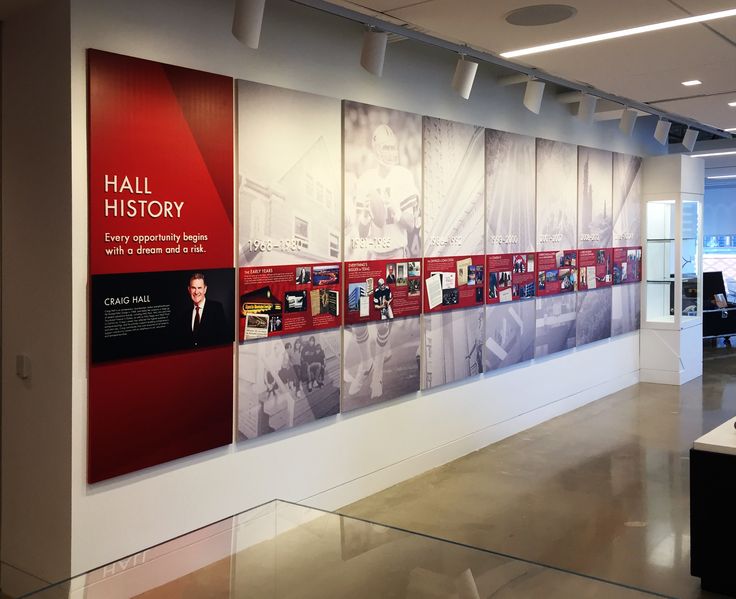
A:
(602, 491)
(287, 551)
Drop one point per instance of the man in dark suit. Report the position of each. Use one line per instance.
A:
(203, 323)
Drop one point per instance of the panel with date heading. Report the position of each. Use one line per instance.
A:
(382, 290)
(295, 298)
(511, 277)
(453, 282)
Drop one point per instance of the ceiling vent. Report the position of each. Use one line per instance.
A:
(540, 14)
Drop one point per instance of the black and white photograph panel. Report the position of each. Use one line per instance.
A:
(626, 200)
(555, 324)
(383, 182)
(625, 309)
(287, 381)
(595, 221)
(289, 176)
(557, 191)
(510, 192)
(453, 346)
(510, 332)
(381, 362)
(453, 188)
(594, 316)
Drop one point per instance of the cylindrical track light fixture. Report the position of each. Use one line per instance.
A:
(586, 108)
(691, 136)
(533, 95)
(247, 21)
(662, 131)
(628, 120)
(374, 51)
(462, 81)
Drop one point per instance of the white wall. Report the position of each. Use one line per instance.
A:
(36, 287)
(341, 459)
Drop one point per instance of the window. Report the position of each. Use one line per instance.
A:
(301, 231)
(334, 246)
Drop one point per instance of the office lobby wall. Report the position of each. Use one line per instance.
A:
(36, 289)
(336, 460)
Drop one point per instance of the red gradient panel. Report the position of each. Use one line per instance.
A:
(152, 410)
(168, 132)
(139, 128)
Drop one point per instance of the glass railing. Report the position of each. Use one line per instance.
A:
(282, 550)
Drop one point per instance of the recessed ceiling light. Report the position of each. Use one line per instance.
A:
(722, 177)
(710, 155)
(732, 103)
(622, 33)
(692, 82)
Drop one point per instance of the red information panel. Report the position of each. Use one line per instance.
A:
(278, 300)
(627, 265)
(382, 289)
(160, 202)
(595, 268)
(556, 272)
(453, 282)
(510, 277)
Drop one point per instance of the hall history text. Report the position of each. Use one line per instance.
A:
(138, 207)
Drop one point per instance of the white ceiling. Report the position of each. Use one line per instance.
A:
(648, 67)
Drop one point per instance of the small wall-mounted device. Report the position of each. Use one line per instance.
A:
(23, 366)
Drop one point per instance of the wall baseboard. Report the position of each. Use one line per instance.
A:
(668, 377)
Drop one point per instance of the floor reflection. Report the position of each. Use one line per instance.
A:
(326, 557)
(286, 551)
(603, 491)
